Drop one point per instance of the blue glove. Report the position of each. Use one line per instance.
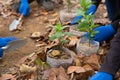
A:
(24, 7)
(91, 10)
(104, 33)
(6, 40)
(101, 76)
(1, 53)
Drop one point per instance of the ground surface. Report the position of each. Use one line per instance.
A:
(30, 24)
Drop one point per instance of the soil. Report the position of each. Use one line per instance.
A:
(30, 24)
(57, 54)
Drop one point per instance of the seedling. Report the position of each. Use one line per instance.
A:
(59, 34)
(86, 24)
(41, 64)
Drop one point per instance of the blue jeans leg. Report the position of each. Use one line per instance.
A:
(110, 4)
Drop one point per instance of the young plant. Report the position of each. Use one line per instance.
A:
(69, 4)
(86, 24)
(59, 34)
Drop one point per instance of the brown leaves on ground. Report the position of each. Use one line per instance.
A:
(58, 74)
(76, 69)
(7, 77)
(81, 69)
(102, 21)
(93, 61)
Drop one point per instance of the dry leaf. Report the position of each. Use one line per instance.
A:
(62, 74)
(55, 14)
(76, 69)
(101, 52)
(101, 21)
(21, 61)
(26, 68)
(41, 44)
(46, 74)
(93, 61)
(6, 77)
(87, 67)
(53, 74)
(77, 62)
(36, 35)
(44, 12)
(73, 40)
(105, 15)
(54, 20)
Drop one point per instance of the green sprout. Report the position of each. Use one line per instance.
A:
(59, 33)
(86, 24)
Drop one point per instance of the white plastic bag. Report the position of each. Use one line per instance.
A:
(60, 62)
(83, 46)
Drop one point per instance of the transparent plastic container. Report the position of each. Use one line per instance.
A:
(86, 48)
(66, 16)
(60, 62)
(74, 31)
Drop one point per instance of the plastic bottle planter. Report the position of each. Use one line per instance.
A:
(53, 62)
(86, 48)
(66, 16)
(74, 31)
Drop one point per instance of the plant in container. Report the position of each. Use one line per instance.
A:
(68, 13)
(86, 44)
(59, 55)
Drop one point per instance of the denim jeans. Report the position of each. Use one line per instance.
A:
(111, 8)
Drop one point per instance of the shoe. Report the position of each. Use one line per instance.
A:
(15, 6)
(47, 4)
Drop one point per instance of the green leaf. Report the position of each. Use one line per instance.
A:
(39, 62)
(52, 37)
(58, 27)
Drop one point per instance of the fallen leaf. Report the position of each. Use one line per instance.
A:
(62, 74)
(41, 44)
(54, 21)
(25, 68)
(21, 61)
(76, 69)
(55, 14)
(36, 35)
(101, 21)
(6, 77)
(77, 62)
(93, 61)
(53, 74)
(46, 74)
(105, 15)
(87, 67)
(73, 40)
(44, 12)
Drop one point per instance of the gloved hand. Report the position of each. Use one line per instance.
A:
(6, 40)
(24, 7)
(91, 10)
(104, 33)
(102, 76)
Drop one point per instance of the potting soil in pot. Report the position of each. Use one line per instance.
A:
(55, 58)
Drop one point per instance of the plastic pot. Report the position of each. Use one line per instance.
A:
(60, 62)
(67, 16)
(74, 31)
(87, 48)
